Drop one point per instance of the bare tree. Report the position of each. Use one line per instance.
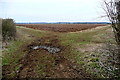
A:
(113, 12)
(112, 9)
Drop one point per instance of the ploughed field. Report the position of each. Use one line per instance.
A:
(61, 27)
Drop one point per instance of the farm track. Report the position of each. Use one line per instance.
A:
(52, 65)
(58, 67)
(63, 68)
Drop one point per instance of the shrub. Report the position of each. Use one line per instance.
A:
(8, 29)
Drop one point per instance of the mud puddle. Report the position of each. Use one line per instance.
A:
(50, 49)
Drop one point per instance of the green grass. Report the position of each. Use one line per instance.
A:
(14, 50)
(8, 56)
(80, 40)
(26, 32)
(94, 59)
(14, 45)
(94, 65)
(11, 56)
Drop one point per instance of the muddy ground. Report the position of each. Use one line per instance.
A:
(40, 63)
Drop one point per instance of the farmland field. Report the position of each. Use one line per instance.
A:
(77, 58)
(61, 27)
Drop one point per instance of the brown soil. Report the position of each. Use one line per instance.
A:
(61, 27)
(53, 65)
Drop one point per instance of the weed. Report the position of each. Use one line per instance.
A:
(10, 55)
(94, 59)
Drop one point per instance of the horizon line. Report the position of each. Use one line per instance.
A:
(62, 22)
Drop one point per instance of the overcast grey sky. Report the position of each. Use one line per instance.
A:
(51, 10)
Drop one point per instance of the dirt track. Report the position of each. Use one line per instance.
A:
(40, 63)
(63, 68)
(53, 65)
(61, 27)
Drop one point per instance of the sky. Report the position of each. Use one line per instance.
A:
(52, 10)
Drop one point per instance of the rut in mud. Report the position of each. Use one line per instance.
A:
(40, 62)
(60, 68)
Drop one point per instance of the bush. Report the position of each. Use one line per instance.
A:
(8, 29)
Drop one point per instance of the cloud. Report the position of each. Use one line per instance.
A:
(50, 9)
